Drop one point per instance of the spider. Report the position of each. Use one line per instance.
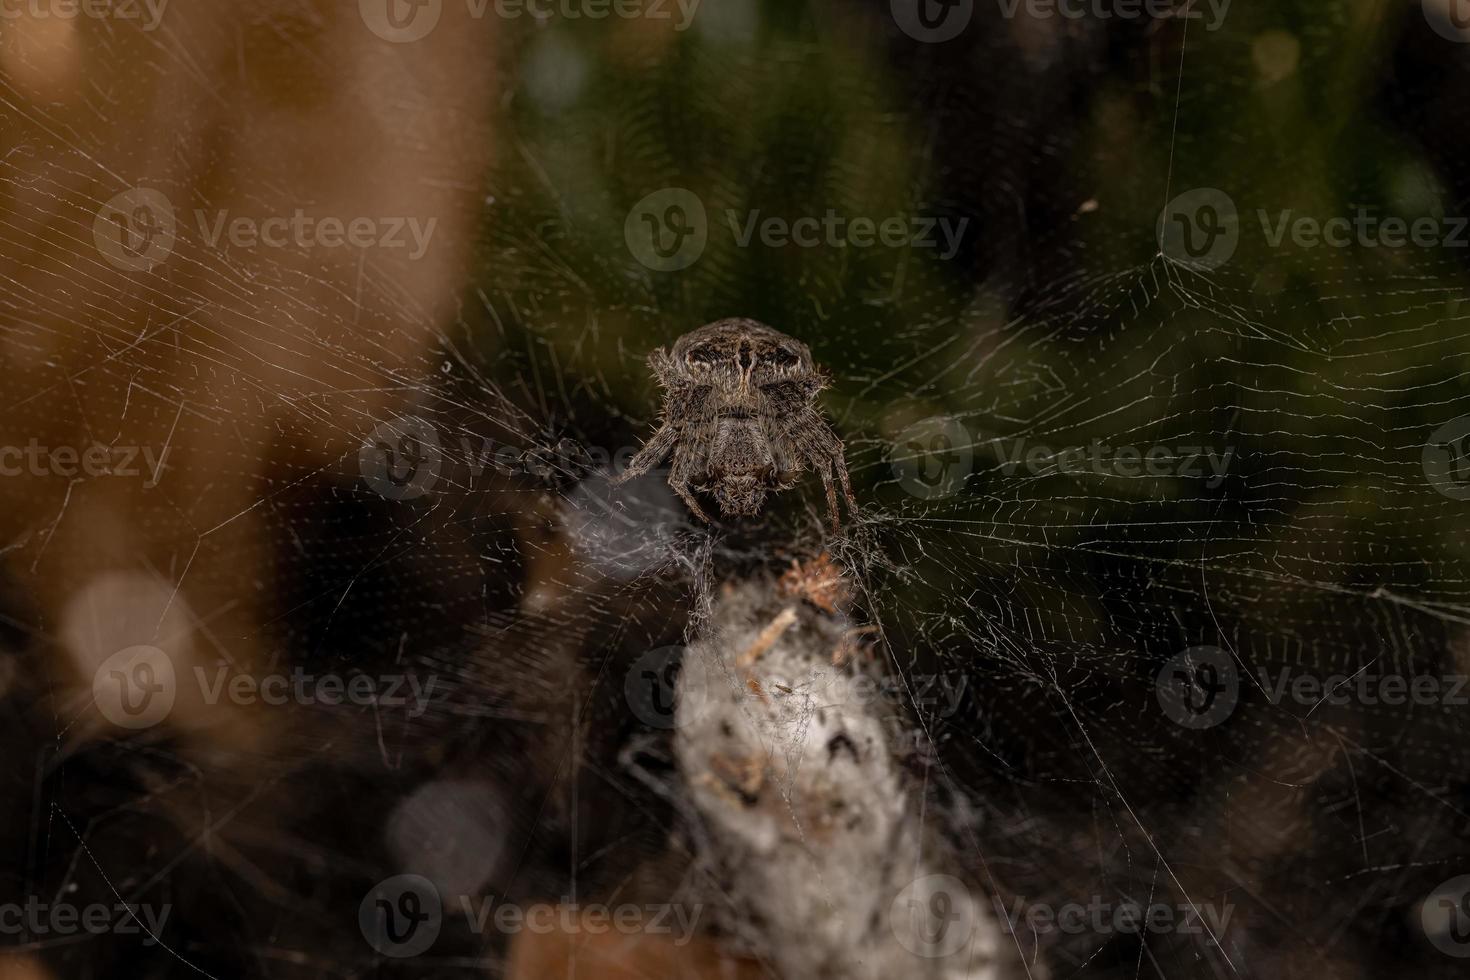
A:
(740, 419)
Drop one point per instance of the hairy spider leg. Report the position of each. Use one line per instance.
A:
(652, 453)
(834, 448)
(822, 450)
(824, 467)
(840, 461)
(679, 480)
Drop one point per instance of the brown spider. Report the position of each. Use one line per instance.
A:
(740, 418)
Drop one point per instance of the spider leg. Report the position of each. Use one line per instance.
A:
(682, 489)
(652, 453)
(840, 461)
(825, 469)
(823, 452)
(679, 480)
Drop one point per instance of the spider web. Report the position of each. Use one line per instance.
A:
(1058, 618)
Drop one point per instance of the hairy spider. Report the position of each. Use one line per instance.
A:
(740, 418)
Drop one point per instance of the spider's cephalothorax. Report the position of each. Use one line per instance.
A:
(740, 418)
